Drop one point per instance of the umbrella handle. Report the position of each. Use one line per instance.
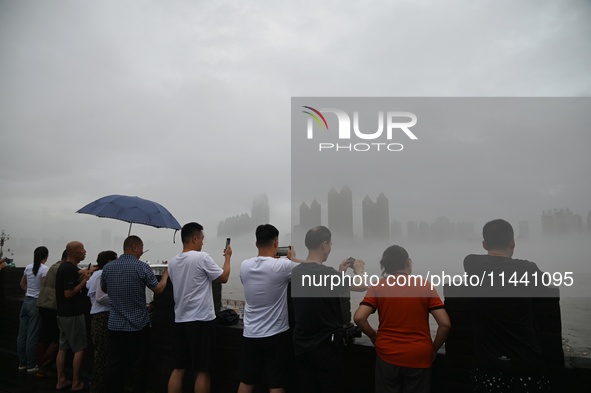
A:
(129, 232)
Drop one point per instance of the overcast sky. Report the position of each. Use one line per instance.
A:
(188, 103)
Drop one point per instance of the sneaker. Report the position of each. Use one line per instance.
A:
(33, 370)
(22, 368)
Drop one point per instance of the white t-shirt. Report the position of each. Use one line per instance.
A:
(265, 281)
(98, 298)
(34, 281)
(191, 274)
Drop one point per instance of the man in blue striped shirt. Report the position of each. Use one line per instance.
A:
(125, 280)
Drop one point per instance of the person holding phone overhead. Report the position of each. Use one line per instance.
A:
(191, 272)
(267, 340)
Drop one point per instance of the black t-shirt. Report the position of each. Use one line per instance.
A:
(67, 278)
(505, 335)
(316, 308)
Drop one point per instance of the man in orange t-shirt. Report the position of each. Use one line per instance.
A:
(403, 341)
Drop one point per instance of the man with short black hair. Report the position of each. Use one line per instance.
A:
(267, 341)
(191, 274)
(319, 317)
(125, 280)
(507, 353)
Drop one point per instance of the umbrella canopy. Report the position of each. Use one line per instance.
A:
(133, 210)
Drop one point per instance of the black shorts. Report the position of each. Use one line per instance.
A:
(268, 354)
(192, 345)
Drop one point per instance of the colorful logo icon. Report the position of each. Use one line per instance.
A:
(317, 112)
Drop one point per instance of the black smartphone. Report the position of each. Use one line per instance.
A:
(282, 251)
(351, 261)
(89, 265)
(227, 244)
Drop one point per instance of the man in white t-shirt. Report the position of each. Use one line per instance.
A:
(267, 341)
(191, 273)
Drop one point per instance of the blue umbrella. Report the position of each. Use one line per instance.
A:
(133, 210)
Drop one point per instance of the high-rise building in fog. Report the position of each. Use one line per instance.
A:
(310, 216)
(260, 210)
(523, 229)
(340, 212)
(376, 218)
(396, 230)
(423, 231)
(236, 226)
(561, 222)
(412, 230)
(243, 224)
(441, 229)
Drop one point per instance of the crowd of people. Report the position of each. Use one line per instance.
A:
(56, 300)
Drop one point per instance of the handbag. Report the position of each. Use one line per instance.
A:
(227, 317)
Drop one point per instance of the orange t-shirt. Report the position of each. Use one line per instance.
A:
(403, 336)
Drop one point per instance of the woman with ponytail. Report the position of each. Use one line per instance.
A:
(31, 282)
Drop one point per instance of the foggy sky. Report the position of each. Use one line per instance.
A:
(188, 103)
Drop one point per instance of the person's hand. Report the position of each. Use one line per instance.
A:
(228, 251)
(84, 275)
(373, 338)
(291, 253)
(358, 266)
(344, 265)
(164, 273)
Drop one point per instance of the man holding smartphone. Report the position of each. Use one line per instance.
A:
(318, 315)
(191, 273)
(267, 341)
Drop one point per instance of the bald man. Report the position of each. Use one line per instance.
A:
(70, 315)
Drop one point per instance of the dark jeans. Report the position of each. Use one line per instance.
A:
(128, 356)
(322, 370)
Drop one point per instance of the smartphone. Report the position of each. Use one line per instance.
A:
(227, 244)
(351, 261)
(89, 265)
(282, 251)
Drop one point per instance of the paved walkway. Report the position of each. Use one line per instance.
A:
(13, 381)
